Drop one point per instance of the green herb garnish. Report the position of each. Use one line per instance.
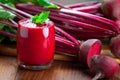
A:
(47, 4)
(42, 17)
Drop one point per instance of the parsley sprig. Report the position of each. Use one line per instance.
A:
(41, 18)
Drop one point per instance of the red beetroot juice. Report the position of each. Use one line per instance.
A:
(35, 45)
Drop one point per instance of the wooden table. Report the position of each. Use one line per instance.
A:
(64, 67)
(60, 70)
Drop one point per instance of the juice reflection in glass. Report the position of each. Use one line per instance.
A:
(35, 45)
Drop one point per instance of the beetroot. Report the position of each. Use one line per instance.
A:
(115, 46)
(88, 49)
(111, 8)
(118, 23)
(104, 66)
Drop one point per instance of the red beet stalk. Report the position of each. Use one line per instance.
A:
(7, 34)
(55, 16)
(75, 13)
(78, 33)
(82, 4)
(8, 23)
(67, 36)
(15, 10)
(78, 23)
(88, 9)
(109, 23)
(64, 46)
(96, 20)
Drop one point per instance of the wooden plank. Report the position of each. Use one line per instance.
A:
(8, 68)
(6, 49)
(60, 70)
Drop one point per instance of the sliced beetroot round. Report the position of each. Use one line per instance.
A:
(88, 49)
(115, 46)
(103, 66)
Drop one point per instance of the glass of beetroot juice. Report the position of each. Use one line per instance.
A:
(35, 44)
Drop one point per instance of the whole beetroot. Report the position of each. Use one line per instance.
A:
(115, 46)
(103, 66)
(111, 9)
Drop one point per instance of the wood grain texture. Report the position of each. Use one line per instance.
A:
(60, 70)
(8, 49)
(8, 68)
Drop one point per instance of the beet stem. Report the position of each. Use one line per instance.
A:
(8, 23)
(16, 10)
(7, 34)
(71, 14)
(60, 5)
(88, 8)
(67, 35)
(15, 23)
(81, 4)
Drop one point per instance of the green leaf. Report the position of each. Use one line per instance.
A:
(51, 6)
(10, 29)
(26, 1)
(47, 4)
(9, 1)
(6, 15)
(7, 29)
(12, 39)
(11, 5)
(1, 26)
(42, 17)
(2, 38)
(1, 8)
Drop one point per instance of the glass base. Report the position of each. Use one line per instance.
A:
(36, 67)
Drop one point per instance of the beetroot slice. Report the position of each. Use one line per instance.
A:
(104, 66)
(88, 49)
(115, 46)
